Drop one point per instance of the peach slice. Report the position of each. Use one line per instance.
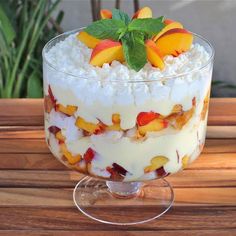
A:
(87, 39)
(170, 24)
(185, 161)
(70, 158)
(54, 129)
(105, 14)
(105, 52)
(154, 55)
(116, 123)
(91, 128)
(68, 110)
(144, 12)
(174, 41)
(155, 125)
(48, 104)
(156, 163)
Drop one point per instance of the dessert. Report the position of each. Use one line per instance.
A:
(130, 105)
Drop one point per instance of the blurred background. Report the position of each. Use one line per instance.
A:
(40, 20)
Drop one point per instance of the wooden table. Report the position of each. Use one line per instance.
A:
(36, 190)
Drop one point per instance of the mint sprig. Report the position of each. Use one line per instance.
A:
(106, 29)
(120, 15)
(132, 34)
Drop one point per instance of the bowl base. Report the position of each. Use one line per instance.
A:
(123, 203)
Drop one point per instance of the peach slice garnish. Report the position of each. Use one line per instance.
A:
(153, 126)
(156, 163)
(144, 118)
(169, 24)
(91, 128)
(106, 51)
(154, 55)
(68, 110)
(174, 42)
(144, 12)
(87, 39)
(205, 106)
(70, 158)
(105, 14)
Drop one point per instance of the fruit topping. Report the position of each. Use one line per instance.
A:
(89, 155)
(156, 163)
(169, 24)
(105, 14)
(68, 110)
(106, 51)
(87, 39)
(48, 104)
(154, 55)
(144, 12)
(174, 42)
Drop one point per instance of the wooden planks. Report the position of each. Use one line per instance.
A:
(30, 111)
(36, 189)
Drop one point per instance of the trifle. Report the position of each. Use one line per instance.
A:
(126, 99)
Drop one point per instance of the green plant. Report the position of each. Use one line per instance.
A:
(25, 26)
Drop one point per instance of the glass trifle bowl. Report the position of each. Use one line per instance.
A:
(125, 130)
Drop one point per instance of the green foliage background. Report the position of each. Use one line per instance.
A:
(24, 29)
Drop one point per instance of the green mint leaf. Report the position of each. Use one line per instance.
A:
(134, 50)
(120, 15)
(148, 25)
(106, 29)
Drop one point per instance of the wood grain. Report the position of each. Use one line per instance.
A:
(36, 189)
(58, 197)
(67, 178)
(178, 218)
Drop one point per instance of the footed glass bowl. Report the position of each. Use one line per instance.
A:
(102, 128)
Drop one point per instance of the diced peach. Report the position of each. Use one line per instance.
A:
(161, 172)
(205, 106)
(60, 137)
(89, 155)
(185, 161)
(105, 52)
(178, 120)
(154, 55)
(116, 123)
(70, 158)
(144, 118)
(87, 39)
(174, 42)
(105, 14)
(169, 24)
(144, 12)
(54, 129)
(48, 104)
(51, 95)
(177, 108)
(155, 125)
(68, 110)
(91, 128)
(156, 163)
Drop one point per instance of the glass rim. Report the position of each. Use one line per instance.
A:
(159, 78)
